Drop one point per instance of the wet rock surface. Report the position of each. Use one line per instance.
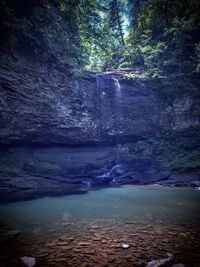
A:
(99, 243)
(61, 133)
(31, 172)
(48, 105)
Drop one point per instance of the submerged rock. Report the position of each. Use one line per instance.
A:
(163, 262)
(28, 261)
(83, 244)
(7, 234)
(178, 265)
(66, 216)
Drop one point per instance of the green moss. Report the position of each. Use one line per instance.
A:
(181, 150)
(131, 156)
(130, 76)
(48, 167)
(14, 167)
(190, 162)
(100, 162)
(10, 167)
(42, 167)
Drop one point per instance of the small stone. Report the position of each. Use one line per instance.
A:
(77, 250)
(63, 247)
(62, 243)
(178, 265)
(83, 244)
(51, 244)
(162, 262)
(65, 223)
(11, 233)
(96, 239)
(111, 260)
(70, 239)
(28, 261)
(94, 226)
(125, 246)
(90, 252)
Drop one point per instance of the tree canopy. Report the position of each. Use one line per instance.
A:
(162, 37)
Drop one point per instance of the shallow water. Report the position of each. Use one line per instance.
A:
(137, 205)
(89, 230)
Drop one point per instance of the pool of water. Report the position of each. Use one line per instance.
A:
(136, 205)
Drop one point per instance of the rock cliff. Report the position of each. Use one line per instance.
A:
(41, 105)
(46, 109)
(47, 105)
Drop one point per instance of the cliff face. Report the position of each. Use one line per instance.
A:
(49, 106)
(41, 105)
(43, 108)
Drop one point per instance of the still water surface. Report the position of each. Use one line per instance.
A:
(136, 204)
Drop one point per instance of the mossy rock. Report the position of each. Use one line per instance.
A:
(10, 167)
(190, 162)
(99, 163)
(43, 167)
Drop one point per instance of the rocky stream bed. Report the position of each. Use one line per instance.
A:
(99, 243)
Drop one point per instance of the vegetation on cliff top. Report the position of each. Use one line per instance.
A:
(160, 36)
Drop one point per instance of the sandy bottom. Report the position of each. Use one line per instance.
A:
(95, 243)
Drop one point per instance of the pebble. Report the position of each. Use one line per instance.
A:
(94, 226)
(125, 246)
(83, 244)
(9, 233)
(28, 261)
(62, 243)
(111, 260)
(90, 252)
(116, 245)
(70, 239)
(96, 239)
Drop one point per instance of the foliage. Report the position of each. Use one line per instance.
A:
(130, 76)
(101, 162)
(198, 56)
(42, 167)
(181, 152)
(9, 167)
(160, 36)
(190, 162)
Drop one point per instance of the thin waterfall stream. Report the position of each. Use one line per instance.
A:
(118, 89)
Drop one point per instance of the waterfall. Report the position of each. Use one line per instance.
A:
(117, 87)
(103, 83)
(98, 81)
(100, 84)
(118, 111)
(109, 85)
(112, 171)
